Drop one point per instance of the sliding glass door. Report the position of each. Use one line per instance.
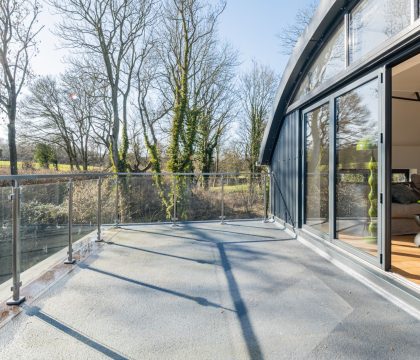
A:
(356, 187)
(341, 167)
(316, 168)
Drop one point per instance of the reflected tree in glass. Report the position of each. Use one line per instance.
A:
(374, 21)
(329, 62)
(357, 121)
(317, 168)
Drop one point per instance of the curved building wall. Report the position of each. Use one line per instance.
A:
(329, 143)
(357, 34)
(285, 171)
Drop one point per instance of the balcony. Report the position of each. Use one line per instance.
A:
(159, 285)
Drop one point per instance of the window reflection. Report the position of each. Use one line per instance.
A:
(357, 120)
(374, 21)
(317, 163)
(329, 62)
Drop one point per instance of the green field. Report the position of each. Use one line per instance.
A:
(231, 188)
(37, 166)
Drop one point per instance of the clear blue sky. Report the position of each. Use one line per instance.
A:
(251, 27)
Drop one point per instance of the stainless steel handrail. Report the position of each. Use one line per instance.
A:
(109, 174)
(72, 177)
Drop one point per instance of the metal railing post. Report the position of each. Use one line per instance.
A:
(117, 203)
(222, 216)
(15, 197)
(174, 199)
(70, 259)
(270, 195)
(264, 186)
(99, 211)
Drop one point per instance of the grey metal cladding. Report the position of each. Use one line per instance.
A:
(284, 169)
(324, 17)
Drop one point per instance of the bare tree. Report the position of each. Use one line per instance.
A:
(189, 30)
(45, 114)
(257, 90)
(232, 157)
(216, 104)
(152, 106)
(82, 104)
(290, 34)
(138, 157)
(64, 112)
(98, 90)
(116, 34)
(18, 30)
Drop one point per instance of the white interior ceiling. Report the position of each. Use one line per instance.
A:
(406, 76)
(406, 114)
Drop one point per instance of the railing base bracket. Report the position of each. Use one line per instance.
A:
(70, 261)
(17, 302)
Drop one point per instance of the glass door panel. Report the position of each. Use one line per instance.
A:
(357, 136)
(316, 168)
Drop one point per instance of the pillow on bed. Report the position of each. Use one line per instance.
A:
(403, 194)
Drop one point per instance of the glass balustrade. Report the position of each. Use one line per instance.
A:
(124, 199)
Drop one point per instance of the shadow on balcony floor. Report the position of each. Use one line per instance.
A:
(208, 291)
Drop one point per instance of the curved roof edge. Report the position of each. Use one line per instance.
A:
(325, 15)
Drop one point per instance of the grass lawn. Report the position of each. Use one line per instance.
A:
(231, 188)
(37, 166)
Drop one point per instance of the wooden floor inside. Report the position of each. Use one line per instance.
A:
(362, 243)
(406, 257)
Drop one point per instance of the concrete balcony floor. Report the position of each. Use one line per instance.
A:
(244, 290)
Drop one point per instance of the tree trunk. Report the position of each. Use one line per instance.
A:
(12, 147)
(12, 134)
(115, 157)
(217, 158)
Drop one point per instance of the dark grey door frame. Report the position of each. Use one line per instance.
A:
(404, 55)
(387, 171)
(330, 99)
(378, 75)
